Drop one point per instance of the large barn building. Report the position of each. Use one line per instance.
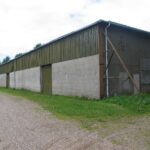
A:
(102, 59)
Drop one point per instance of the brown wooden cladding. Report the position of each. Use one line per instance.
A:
(80, 44)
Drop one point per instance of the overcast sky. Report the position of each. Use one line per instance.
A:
(24, 23)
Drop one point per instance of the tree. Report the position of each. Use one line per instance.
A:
(18, 55)
(6, 59)
(37, 46)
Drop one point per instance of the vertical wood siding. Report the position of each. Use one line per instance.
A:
(80, 44)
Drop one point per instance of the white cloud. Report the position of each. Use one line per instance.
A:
(25, 23)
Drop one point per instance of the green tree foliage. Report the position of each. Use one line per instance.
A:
(37, 46)
(18, 55)
(6, 59)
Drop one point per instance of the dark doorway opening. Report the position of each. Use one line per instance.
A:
(7, 80)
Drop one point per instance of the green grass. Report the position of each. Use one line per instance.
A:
(89, 111)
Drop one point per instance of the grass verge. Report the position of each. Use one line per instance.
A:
(88, 112)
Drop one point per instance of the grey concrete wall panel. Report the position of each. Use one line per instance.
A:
(145, 75)
(12, 80)
(136, 78)
(20, 81)
(125, 85)
(3, 80)
(78, 77)
(26, 79)
(145, 64)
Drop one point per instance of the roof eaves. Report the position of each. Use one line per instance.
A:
(86, 27)
(130, 28)
(57, 39)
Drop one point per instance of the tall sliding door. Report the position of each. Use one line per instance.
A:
(46, 74)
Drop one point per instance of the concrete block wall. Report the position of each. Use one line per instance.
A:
(26, 79)
(2, 80)
(78, 77)
(12, 80)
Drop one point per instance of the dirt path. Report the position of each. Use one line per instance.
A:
(25, 126)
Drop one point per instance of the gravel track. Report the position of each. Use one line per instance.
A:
(24, 125)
